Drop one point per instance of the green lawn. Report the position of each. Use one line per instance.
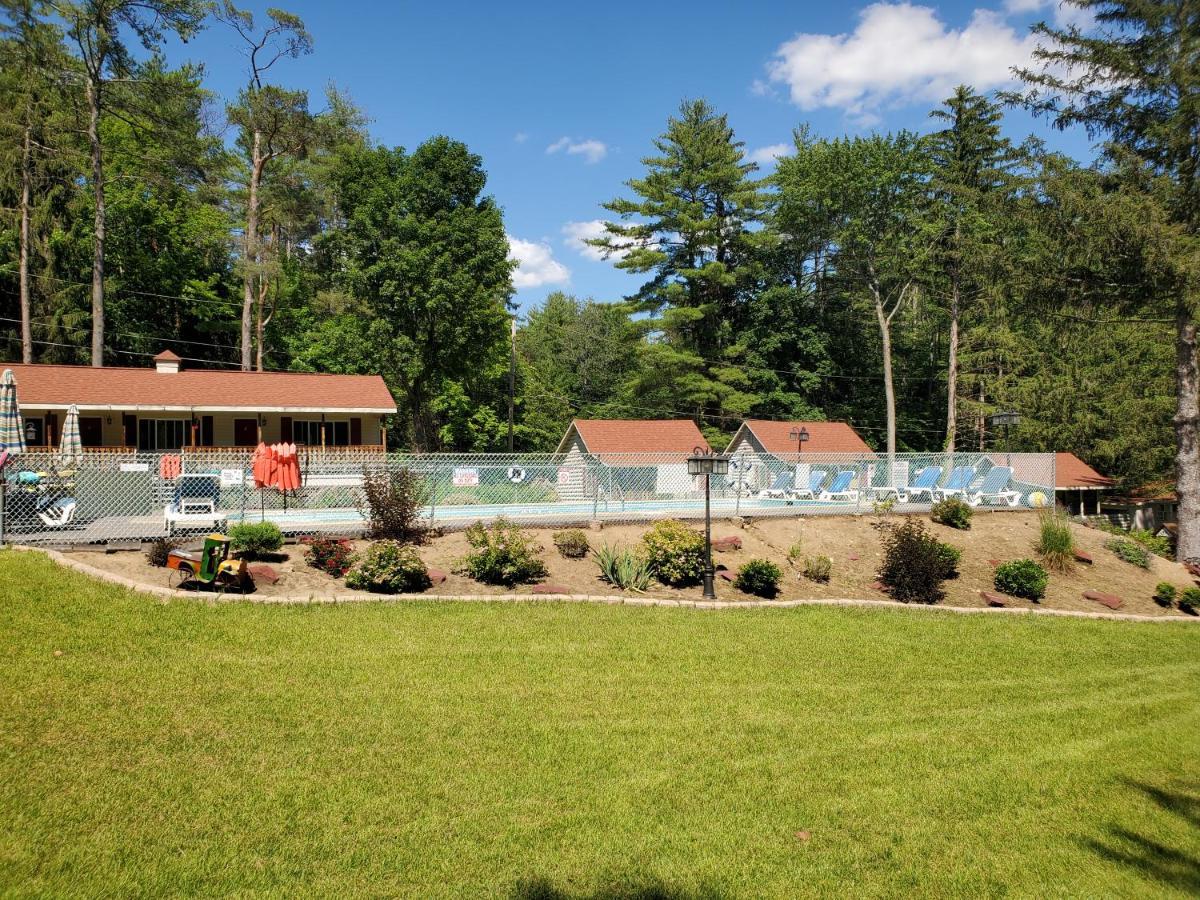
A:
(586, 751)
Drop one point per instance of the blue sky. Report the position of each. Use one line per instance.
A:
(563, 99)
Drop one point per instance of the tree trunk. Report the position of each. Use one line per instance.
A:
(1187, 435)
(251, 250)
(23, 252)
(980, 427)
(952, 369)
(889, 389)
(93, 132)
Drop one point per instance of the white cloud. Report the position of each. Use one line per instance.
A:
(536, 265)
(591, 149)
(1017, 7)
(898, 53)
(766, 156)
(520, 137)
(579, 233)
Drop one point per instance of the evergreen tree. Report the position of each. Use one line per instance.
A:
(971, 184)
(691, 226)
(1134, 77)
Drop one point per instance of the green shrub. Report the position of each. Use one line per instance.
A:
(884, 507)
(394, 503)
(759, 577)
(950, 556)
(1189, 599)
(795, 552)
(1164, 593)
(1160, 546)
(389, 567)
(333, 556)
(1133, 553)
(572, 543)
(255, 540)
(159, 550)
(675, 552)
(1056, 543)
(623, 568)
(1022, 578)
(502, 554)
(952, 512)
(818, 568)
(915, 563)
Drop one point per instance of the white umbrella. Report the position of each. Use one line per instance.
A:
(71, 449)
(12, 432)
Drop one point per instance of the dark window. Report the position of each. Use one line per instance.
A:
(161, 434)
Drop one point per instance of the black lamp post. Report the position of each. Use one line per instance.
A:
(800, 436)
(708, 463)
(1006, 419)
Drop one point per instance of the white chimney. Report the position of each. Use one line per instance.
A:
(167, 363)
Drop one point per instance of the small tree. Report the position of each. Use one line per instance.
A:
(395, 501)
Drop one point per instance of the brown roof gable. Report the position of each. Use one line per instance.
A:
(823, 437)
(1072, 472)
(129, 388)
(637, 435)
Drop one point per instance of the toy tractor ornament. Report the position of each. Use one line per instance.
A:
(211, 567)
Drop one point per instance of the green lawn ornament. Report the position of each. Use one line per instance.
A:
(212, 566)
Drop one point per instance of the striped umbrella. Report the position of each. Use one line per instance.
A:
(70, 451)
(12, 433)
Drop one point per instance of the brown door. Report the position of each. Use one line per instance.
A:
(91, 431)
(245, 432)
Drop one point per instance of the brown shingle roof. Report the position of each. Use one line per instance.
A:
(1072, 472)
(823, 437)
(639, 435)
(209, 389)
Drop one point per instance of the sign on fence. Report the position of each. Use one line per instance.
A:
(464, 477)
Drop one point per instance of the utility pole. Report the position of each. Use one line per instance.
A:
(512, 378)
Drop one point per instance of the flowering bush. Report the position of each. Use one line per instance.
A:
(675, 552)
(502, 554)
(331, 555)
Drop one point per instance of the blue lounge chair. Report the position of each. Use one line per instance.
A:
(922, 486)
(839, 488)
(957, 484)
(779, 488)
(816, 478)
(995, 489)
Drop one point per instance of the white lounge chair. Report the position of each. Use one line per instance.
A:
(839, 488)
(195, 503)
(994, 488)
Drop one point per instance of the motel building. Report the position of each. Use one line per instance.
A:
(171, 407)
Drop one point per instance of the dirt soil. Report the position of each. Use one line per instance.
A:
(850, 541)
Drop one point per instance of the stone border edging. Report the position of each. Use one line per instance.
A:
(167, 593)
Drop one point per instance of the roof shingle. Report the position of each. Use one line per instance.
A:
(1072, 472)
(823, 437)
(130, 388)
(639, 435)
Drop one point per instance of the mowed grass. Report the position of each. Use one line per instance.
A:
(586, 751)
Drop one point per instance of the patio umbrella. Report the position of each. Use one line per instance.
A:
(260, 467)
(71, 449)
(12, 432)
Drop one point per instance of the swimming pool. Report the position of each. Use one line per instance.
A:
(350, 517)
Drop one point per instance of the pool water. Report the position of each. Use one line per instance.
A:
(578, 511)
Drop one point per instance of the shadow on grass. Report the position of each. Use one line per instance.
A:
(1153, 859)
(616, 889)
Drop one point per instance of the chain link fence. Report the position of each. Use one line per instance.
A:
(117, 497)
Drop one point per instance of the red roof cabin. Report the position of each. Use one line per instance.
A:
(171, 406)
(778, 439)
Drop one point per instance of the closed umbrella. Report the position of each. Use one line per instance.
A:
(12, 432)
(70, 451)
